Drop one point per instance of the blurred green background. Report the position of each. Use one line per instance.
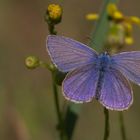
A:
(26, 102)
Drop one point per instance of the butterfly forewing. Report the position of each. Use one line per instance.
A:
(129, 64)
(80, 84)
(69, 54)
(115, 92)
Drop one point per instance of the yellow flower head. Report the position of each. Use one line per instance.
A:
(128, 27)
(120, 26)
(54, 11)
(129, 40)
(111, 8)
(92, 16)
(53, 14)
(118, 15)
(125, 22)
(135, 20)
(113, 12)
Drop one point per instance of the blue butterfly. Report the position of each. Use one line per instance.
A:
(92, 75)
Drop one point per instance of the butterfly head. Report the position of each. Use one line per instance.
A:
(104, 60)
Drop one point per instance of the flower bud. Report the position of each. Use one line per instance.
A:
(92, 16)
(129, 40)
(118, 15)
(135, 20)
(111, 8)
(53, 14)
(31, 62)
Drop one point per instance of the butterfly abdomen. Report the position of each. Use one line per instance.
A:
(103, 64)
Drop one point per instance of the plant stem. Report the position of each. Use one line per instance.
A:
(122, 127)
(98, 36)
(56, 101)
(46, 65)
(60, 125)
(107, 130)
(52, 29)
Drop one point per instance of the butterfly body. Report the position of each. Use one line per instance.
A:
(102, 64)
(103, 61)
(92, 75)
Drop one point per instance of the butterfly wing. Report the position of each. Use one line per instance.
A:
(115, 92)
(80, 84)
(129, 64)
(69, 54)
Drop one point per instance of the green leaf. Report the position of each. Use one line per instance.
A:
(71, 118)
(98, 36)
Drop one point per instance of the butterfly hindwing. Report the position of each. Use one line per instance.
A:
(115, 92)
(69, 54)
(80, 84)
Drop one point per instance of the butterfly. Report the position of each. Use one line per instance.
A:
(92, 75)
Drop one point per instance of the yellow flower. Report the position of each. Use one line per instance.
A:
(54, 11)
(111, 8)
(92, 16)
(125, 22)
(129, 40)
(53, 14)
(118, 15)
(135, 20)
(128, 27)
(120, 26)
(113, 12)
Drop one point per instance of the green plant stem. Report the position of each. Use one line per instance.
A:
(56, 101)
(107, 129)
(122, 127)
(60, 125)
(98, 36)
(46, 65)
(52, 29)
